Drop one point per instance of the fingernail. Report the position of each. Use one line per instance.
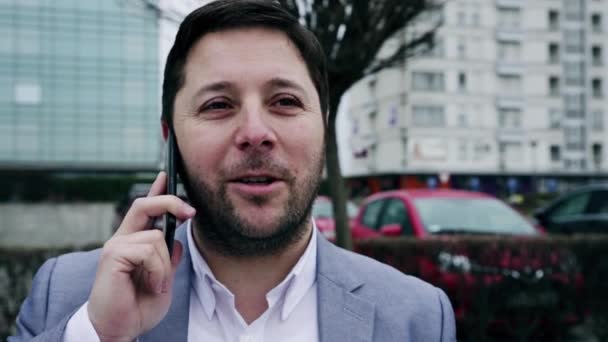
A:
(189, 210)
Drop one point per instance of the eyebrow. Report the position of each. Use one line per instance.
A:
(275, 82)
(214, 87)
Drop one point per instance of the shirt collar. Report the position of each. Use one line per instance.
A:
(291, 290)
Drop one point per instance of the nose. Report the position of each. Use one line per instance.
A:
(254, 130)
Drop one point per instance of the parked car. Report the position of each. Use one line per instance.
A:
(433, 214)
(323, 214)
(584, 210)
(423, 213)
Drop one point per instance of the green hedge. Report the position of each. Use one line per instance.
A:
(580, 261)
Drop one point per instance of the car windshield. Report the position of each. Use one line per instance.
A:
(323, 209)
(471, 215)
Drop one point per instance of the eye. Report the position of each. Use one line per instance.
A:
(287, 101)
(216, 105)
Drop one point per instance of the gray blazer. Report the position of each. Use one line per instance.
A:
(359, 299)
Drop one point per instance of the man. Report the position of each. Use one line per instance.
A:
(245, 94)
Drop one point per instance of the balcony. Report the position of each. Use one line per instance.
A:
(507, 34)
(509, 68)
(509, 101)
(509, 3)
(510, 134)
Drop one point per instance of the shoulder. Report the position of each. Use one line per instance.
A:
(385, 280)
(69, 279)
(405, 306)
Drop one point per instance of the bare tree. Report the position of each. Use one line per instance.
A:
(353, 34)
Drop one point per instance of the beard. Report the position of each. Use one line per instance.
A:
(219, 224)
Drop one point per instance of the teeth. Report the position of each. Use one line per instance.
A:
(262, 180)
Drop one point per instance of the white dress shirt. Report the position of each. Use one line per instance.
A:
(291, 315)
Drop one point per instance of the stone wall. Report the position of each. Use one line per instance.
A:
(55, 225)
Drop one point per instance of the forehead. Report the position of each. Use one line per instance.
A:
(245, 54)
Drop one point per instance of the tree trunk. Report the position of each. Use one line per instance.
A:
(337, 188)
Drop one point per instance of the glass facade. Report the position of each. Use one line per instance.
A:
(79, 84)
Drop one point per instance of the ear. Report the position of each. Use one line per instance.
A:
(165, 129)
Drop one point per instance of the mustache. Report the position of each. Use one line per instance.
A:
(258, 163)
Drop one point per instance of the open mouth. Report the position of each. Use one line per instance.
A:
(258, 180)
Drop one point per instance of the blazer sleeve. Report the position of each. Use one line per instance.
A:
(448, 324)
(32, 319)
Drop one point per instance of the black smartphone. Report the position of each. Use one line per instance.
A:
(170, 221)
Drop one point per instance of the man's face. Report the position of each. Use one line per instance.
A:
(250, 131)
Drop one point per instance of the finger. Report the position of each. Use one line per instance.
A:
(141, 257)
(159, 185)
(153, 237)
(144, 209)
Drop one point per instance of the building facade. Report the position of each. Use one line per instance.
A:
(79, 85)
(511, 87)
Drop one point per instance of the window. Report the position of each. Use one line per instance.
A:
(554, 86)
(596, 150)
(574, 39)
(596, 22)
(555, 153)
(462, 18)
(597, 89)
(509, 51)
(574, 102)
(462, 82)
(553, 17)
(428, 81)
(463, 119)
(428, 116)
(509, 118)
(597, 58)
(573, 137)
(509, 18)
(555, 117)
(574, 9)
(482, 150)
(573, 206)
(574, 73)
(463, 150)
(510, 85)
(27, 93)
(597, 123)
(462, 48)
(396, 213)
(553, 53)
(372, 211)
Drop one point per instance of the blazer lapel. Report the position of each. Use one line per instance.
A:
(174, 327)
(342, 314)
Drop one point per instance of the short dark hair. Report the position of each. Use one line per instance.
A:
(230, 14)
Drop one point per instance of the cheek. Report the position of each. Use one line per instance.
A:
(305, 147)
(201, 149)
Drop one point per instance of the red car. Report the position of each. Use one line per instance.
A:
(323, 214)
(432, 214)
(422, 213)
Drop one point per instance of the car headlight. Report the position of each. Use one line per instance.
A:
(454, 262)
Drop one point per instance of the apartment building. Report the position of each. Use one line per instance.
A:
(512, 87)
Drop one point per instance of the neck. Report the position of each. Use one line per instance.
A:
(251, 278)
